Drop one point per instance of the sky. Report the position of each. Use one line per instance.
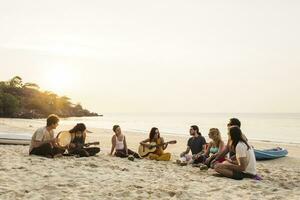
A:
(157, 56)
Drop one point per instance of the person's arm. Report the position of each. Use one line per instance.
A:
(37, 143)
(84, 137)
(125, 145)
(207, 151)
(185, 152)
(113, 144)
(221, 146)
(240, 166)
(71, 146)
(145, 142)
(229, 160)
(220, 155)
(162, 142)
(204, 144)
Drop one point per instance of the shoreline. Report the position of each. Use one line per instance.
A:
(29, 124)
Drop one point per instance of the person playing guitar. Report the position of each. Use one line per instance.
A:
(78, 146)
(156, 146)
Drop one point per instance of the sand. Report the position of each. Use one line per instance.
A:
(104, 177)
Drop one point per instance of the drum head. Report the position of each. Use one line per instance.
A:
(64, 138)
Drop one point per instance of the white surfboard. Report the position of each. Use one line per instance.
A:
(15, 138)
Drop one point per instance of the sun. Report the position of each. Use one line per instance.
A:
(59, 79)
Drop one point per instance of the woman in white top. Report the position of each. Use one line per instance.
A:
(245, 163)
(119, 144)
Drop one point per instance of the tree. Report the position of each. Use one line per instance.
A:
(1, 106)
(31, 86)
(16, 82)
(25, 100)
(10, 104)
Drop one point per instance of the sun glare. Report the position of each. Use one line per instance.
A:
(59, 79)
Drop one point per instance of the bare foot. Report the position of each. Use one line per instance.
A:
(203, 167)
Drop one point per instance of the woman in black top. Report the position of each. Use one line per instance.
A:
(77, 145)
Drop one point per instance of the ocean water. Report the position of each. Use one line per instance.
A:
(265, 127)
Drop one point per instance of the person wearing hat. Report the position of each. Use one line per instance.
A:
(77, 145)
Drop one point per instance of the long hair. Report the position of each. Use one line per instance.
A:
(196, 128)
(152, 133)
(234, 122)
(216, 135)
(79, 127)
(236, 136)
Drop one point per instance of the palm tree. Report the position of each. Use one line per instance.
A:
(31, 86)
(16, 82)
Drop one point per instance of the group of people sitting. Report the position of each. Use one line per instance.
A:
(239, 164)
(43, 142)
(234, 160)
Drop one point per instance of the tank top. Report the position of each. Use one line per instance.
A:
(214, 150)
(120, 144)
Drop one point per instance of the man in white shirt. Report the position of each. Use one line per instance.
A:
(43, 142)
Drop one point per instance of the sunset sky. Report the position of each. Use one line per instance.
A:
(157, 56)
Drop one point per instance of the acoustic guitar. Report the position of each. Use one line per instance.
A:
(144, 151)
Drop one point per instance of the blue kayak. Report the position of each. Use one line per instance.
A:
(269, 154)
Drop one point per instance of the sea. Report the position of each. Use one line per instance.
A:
(282, 127)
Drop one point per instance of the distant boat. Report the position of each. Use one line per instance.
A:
(269, 154)
(15, 138)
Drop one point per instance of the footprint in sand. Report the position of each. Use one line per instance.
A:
(172, 194)
(137, 186)
(266, 171)
(92, 165)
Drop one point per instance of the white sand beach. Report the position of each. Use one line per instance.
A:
(104, 177)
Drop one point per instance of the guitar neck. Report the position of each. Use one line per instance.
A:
(159, 145)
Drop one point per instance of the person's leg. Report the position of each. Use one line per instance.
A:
(43, 150)
(221, 169)
(153, 156)
(199, 160)
(164, 157)
(185, 160)
(208, 161)
(136, 155)
(188, 158)
(83, 153)
(121, 154)
(92, 150)
(57, 151)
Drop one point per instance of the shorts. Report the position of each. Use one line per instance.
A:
(241, 175)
